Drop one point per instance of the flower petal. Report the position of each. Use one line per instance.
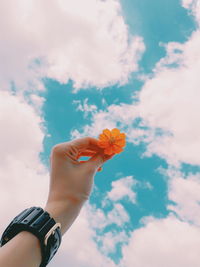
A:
(115, 132)
(103, 137)
(120, 136)
(117, 149)
(109, 150)
(121, 142)
(107, 132)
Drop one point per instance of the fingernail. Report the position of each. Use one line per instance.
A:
(99, 169)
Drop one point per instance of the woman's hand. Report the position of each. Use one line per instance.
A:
(71, 181)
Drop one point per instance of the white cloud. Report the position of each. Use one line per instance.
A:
(166, 242)
(187, 3)
(123, 188)
(24, 180)
(173, 241)
(111, 239)
(99, 219)
(118, 215)
(184, 192)
(21, 135)
(169, 101)
(194, 6)
(85, 107)
(87, 42)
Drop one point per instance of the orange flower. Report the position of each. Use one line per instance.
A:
(112, 141)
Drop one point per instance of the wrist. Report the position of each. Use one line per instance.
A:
(63, 212)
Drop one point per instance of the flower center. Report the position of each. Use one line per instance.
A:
(112, 140)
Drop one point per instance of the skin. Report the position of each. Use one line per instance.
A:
(71, 184)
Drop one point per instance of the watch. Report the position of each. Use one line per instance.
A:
(41, 224)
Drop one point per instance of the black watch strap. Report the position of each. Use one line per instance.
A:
(38, 222)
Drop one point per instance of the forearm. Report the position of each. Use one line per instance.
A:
(21, 251)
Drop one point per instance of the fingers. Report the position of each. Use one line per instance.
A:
(75, 146)
(99, 159)
(86, 143)
(86, 146)
(99, 169)
(72, 154)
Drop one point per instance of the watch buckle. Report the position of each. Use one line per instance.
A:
(51, 231)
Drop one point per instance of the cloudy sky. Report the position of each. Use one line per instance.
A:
(73, 68)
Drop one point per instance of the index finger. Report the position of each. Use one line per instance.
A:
(74, 147)
(86, 143)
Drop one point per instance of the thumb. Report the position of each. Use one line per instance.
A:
(99, 159)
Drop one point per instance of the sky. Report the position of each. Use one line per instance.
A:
(70, 69)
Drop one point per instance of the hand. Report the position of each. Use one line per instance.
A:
(71, 181)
